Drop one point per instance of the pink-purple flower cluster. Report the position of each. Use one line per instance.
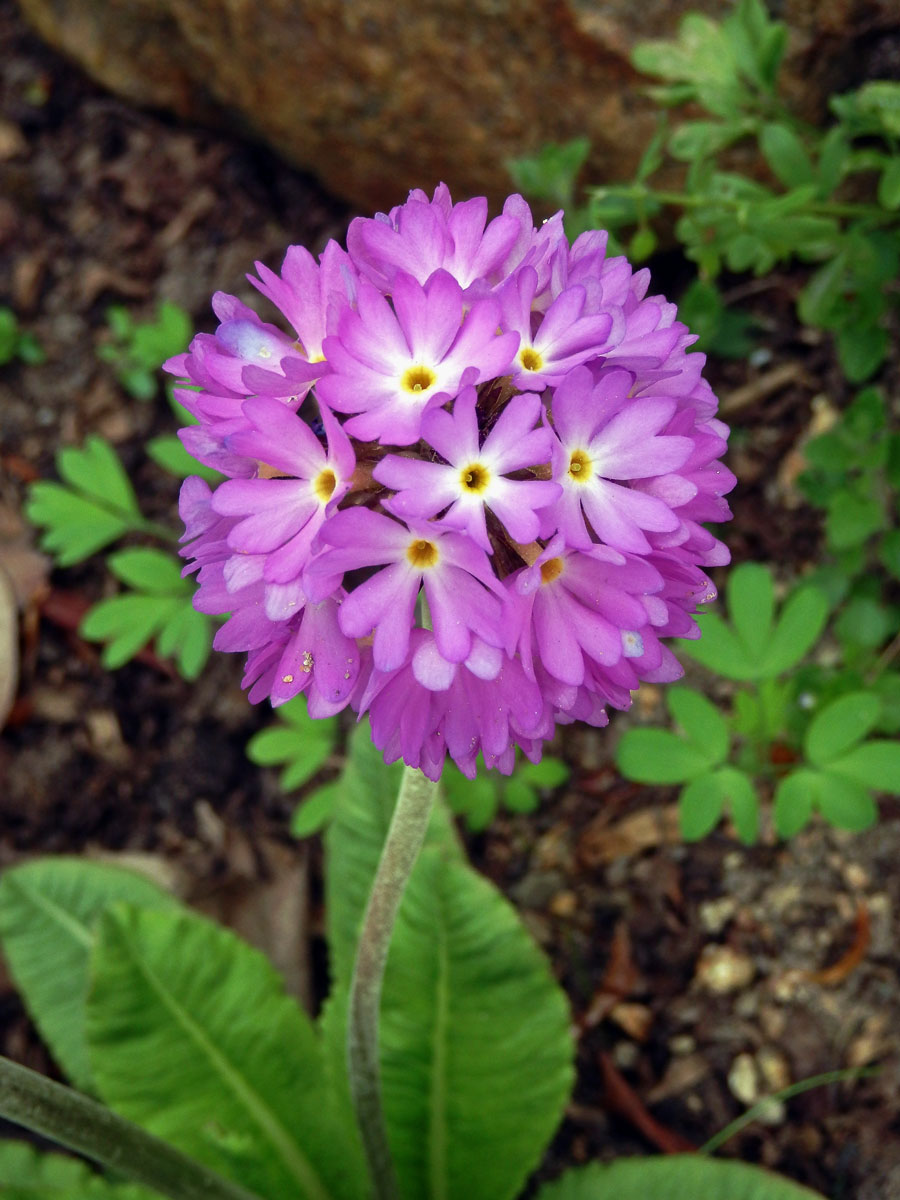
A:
(468, 473)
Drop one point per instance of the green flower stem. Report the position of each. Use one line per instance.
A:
(401, 849)
(81, 1124)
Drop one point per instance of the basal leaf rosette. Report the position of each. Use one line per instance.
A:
(469, 471)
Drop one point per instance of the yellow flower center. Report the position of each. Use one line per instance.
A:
(580, 466)
(530, 359)
(474, 478)
(324, 484)
(551, 569)
(418, 379)
(422, 554)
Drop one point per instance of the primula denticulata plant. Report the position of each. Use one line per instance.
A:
(467, 472)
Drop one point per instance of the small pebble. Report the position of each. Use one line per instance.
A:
(715, 914)
(722, 970)
(743, 1079)
(774, 1068)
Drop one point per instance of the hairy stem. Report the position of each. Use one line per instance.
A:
(81, 1124)
(401, 849)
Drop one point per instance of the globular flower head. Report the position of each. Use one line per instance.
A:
(469, 471)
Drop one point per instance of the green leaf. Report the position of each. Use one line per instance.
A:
(701, 721)
(96, 470)
(845, 803)
(742, 802)
(551, 173)
(862, 347)
(303, 743)
(29, 1174)
(700, 139)
(795, 797)
(126, 623)
(476, 800)
(703, 801)
(889, 184)
(48, 913)
(98, 506)
(718, 648)
(852, 519)
(799, 626)
(876, 764)
(786, 155)
(152, 571)
(840, 725)
(548, 772)
(519, 797)
(658, 756)
(192, 1037)
(168, 453)
(314, 813)
(675, 1177)
(817, 300)
(699, 808)
(751, 604)
(863, 622)
(476, 1051)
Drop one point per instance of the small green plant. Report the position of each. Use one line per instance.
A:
(478, 800)
(94, 506)
(809, 760)
(854, 475)
(832, 199)
(301, 746)
(135, 349)
(157, 606)
(15, 343)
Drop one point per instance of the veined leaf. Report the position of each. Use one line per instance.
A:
(675, 1177)
(192, 1036)
(475, 1044)
(48, 913)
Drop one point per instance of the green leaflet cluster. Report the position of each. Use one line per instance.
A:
(94, 505)
(832, 199)
(808, 756)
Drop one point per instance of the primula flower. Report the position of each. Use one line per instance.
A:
(469, 470)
